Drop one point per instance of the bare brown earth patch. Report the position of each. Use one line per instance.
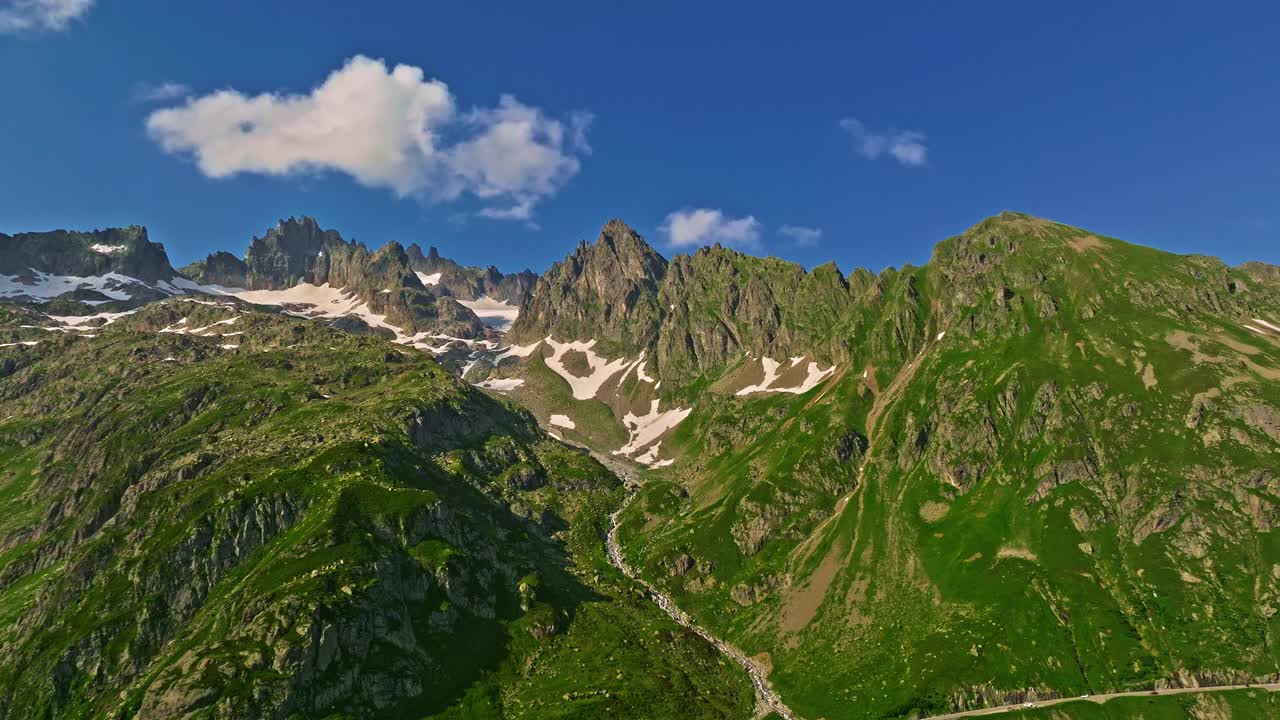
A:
(790, 376)
(802, 603)
(933, 511)
(1086, 242)
(751, 373)
(1013, 551)
(575, 361)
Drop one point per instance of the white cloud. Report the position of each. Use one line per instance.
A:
(906, 146)
(801, 236)
(148, 93)
(703, 226)
(22, 15)
(392, 128)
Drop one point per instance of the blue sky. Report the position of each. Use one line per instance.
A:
(883, 128)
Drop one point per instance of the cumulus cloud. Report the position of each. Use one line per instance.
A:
(905, 146)
(801, 236)
(386, 127)
(704, 226)
(22, 15)
(148, 93)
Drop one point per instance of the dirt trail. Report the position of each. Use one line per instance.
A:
(1099, 699)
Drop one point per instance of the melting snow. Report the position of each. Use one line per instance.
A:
(46, 286)
(106, 249)
(942, 334)
(811, 380)
(28, 343)
(516, 351)
(502, 384)
(584, 388)
(498, 314)
(644, 429)
(432, 279)
(563, 421)
(76, 321)
(1263, 326)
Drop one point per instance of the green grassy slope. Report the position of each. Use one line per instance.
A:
(1073, 490)
(312, 524)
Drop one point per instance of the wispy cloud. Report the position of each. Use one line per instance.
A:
(30, 15)
(905, 146)
(385, 127)
(162, 92)
(704, 226)
(801, 236)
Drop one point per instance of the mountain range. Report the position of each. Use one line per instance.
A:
(324, 481)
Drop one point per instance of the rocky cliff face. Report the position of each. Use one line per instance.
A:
(606, 290)
(125, 251)
(300, 251)
(472, 283)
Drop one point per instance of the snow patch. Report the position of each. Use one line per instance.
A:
(563, 421)
(28, 343)
(432, 279)
(106, 249)
(45, 286)
(814, 375)
(77, 321)
(500, 384)
(941, 335)
(584, 388)
(1264, 324)
(521, 351)
(497, 314)
(645, 429)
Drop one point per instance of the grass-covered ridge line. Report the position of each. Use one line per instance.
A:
(313, 524)
(1058, 475)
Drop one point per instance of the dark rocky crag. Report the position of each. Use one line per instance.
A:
(472, 283)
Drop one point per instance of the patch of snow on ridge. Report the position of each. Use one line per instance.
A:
(644, 429)
(28, 343)
(584, 388)
(501, 384)
(942, 335)
(106, 249)
(1264, 325)
(521, 351)
(76, 321)
(497, 314)
(46, 287)
(425, 279)
(813, 376)
(641, 374)
(562, 421)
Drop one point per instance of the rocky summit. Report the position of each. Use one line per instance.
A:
(312, 479)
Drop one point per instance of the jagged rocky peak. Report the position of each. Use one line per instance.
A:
(293, 251)
(471, 283)
(125, 251)
(605, 290)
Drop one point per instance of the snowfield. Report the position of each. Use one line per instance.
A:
(813, 376)
(562, 421)
(425, 279)
(45, 287)
(645, 429)
(584, 388)
(500, 384)
(497, 314)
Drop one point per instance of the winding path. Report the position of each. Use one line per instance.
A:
(1102, 698)
(767, 699)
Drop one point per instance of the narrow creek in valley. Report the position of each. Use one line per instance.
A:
(767, 699)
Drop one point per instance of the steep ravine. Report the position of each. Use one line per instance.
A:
(767, 699)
